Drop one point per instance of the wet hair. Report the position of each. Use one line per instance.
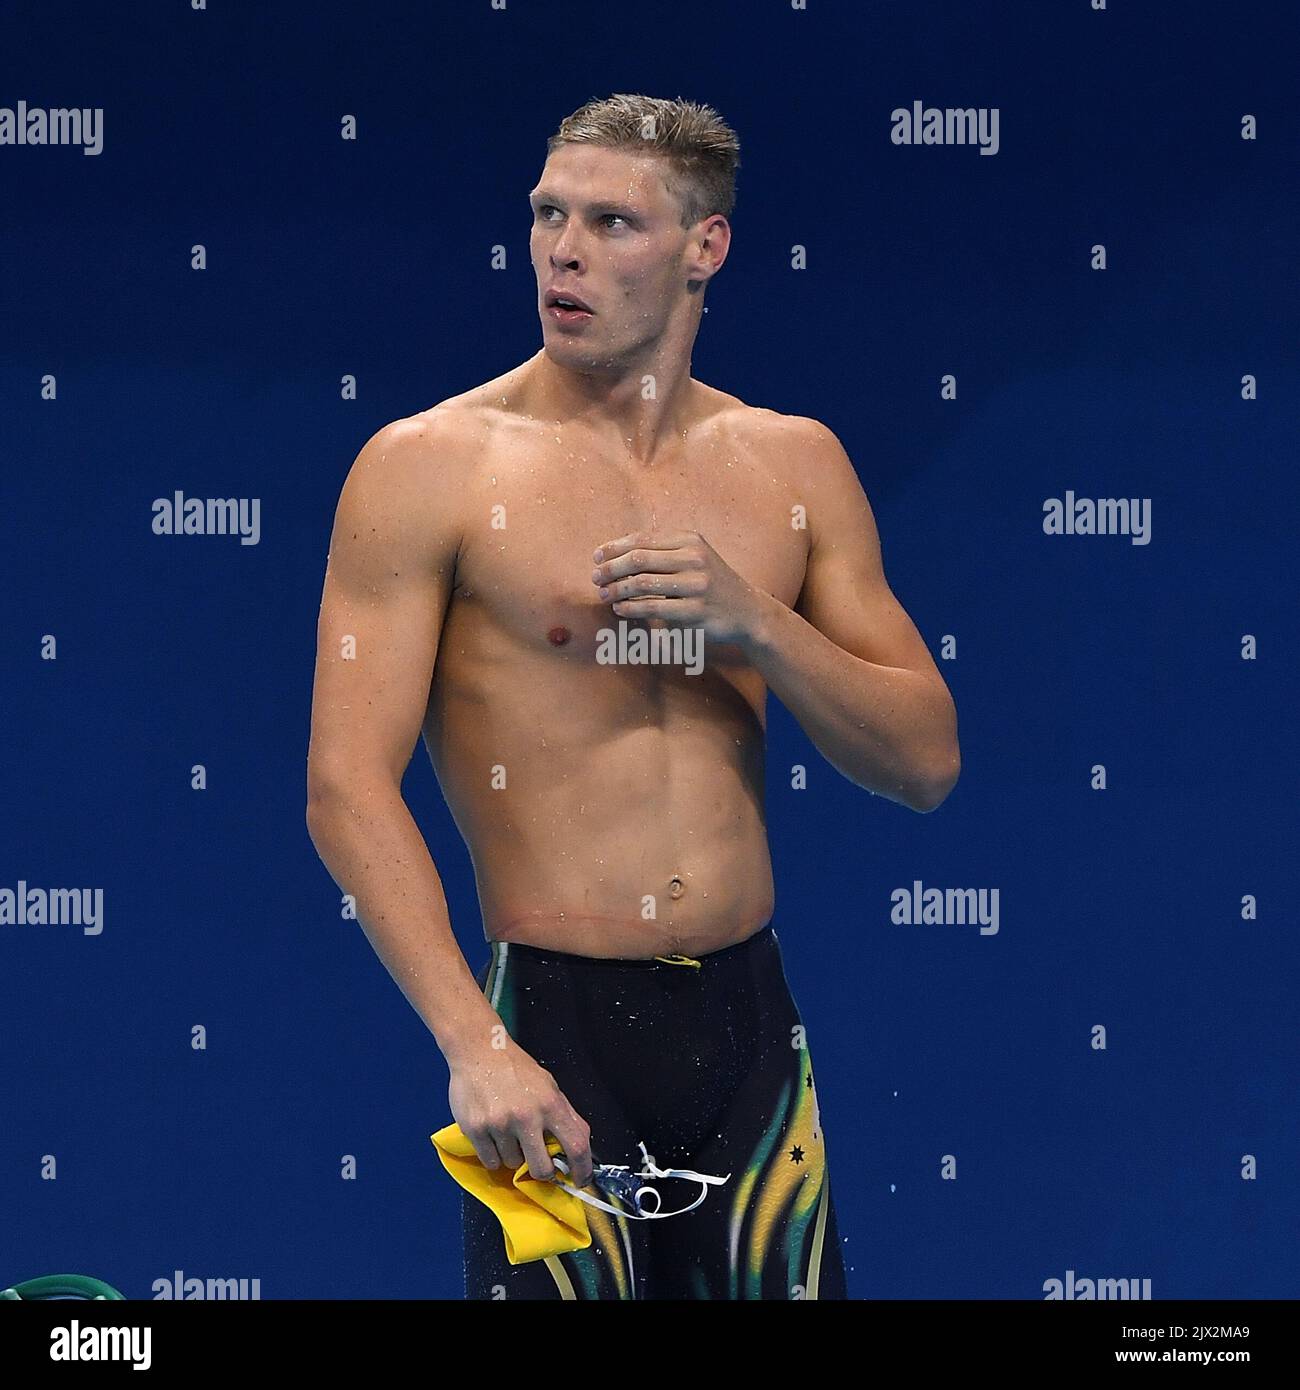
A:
(700, 149)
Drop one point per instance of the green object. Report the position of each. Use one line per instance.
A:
(61, 1286)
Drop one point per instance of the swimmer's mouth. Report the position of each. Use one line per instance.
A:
(568, 303)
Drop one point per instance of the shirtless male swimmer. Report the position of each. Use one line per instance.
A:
(613, 809)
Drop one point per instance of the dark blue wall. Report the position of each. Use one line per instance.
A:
(1120, 907)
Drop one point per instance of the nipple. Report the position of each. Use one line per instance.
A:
(558, 635)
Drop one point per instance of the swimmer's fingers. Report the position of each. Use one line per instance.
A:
(692, 586)
(685, 612)
(532, 1140)
(647, 561)
(487, 1148)
(574, 1134)
(645, 540)
(689, 585)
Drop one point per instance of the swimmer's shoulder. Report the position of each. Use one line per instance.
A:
(466, 425)
(793, 445)
(406, 491)
(436, 450)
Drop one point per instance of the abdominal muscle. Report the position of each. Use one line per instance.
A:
(630, 821)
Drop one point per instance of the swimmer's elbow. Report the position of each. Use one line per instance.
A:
(318, 813)
(344, 790)
(329, 795)
(936, 790)
(930, 802)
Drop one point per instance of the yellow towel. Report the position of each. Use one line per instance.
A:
(539, 1218)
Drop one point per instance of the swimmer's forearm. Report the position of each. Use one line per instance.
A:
(885, 728)
(374, 851)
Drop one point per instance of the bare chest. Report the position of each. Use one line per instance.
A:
(538, 510)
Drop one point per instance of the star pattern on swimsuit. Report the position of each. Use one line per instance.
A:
(796, 1154)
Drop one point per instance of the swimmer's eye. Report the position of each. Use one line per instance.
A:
(545, 209)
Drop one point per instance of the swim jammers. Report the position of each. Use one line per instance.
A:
(705, 1061)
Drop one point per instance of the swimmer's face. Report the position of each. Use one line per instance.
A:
(608, 231)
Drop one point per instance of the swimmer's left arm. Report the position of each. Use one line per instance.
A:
(847, 661)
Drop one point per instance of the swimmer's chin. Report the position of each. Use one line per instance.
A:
(575, 356)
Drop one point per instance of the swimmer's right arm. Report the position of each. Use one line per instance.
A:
(388, 582)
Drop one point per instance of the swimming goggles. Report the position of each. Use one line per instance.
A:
(618, 1181)
(60, 1286)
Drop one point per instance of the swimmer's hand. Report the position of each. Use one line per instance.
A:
(505, 1104)
(676, 576)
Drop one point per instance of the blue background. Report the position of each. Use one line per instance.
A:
(1119, 907)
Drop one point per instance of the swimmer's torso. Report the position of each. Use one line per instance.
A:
(592, 795)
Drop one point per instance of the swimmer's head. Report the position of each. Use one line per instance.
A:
(630, 218)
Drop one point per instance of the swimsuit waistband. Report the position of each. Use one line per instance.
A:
(764, 937)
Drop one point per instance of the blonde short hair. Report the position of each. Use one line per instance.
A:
(700, 149)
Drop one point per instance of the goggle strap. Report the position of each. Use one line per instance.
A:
(649, 1170)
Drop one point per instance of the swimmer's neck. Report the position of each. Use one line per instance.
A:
(614, 403)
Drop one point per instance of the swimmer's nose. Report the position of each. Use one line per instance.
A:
(561, 257)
